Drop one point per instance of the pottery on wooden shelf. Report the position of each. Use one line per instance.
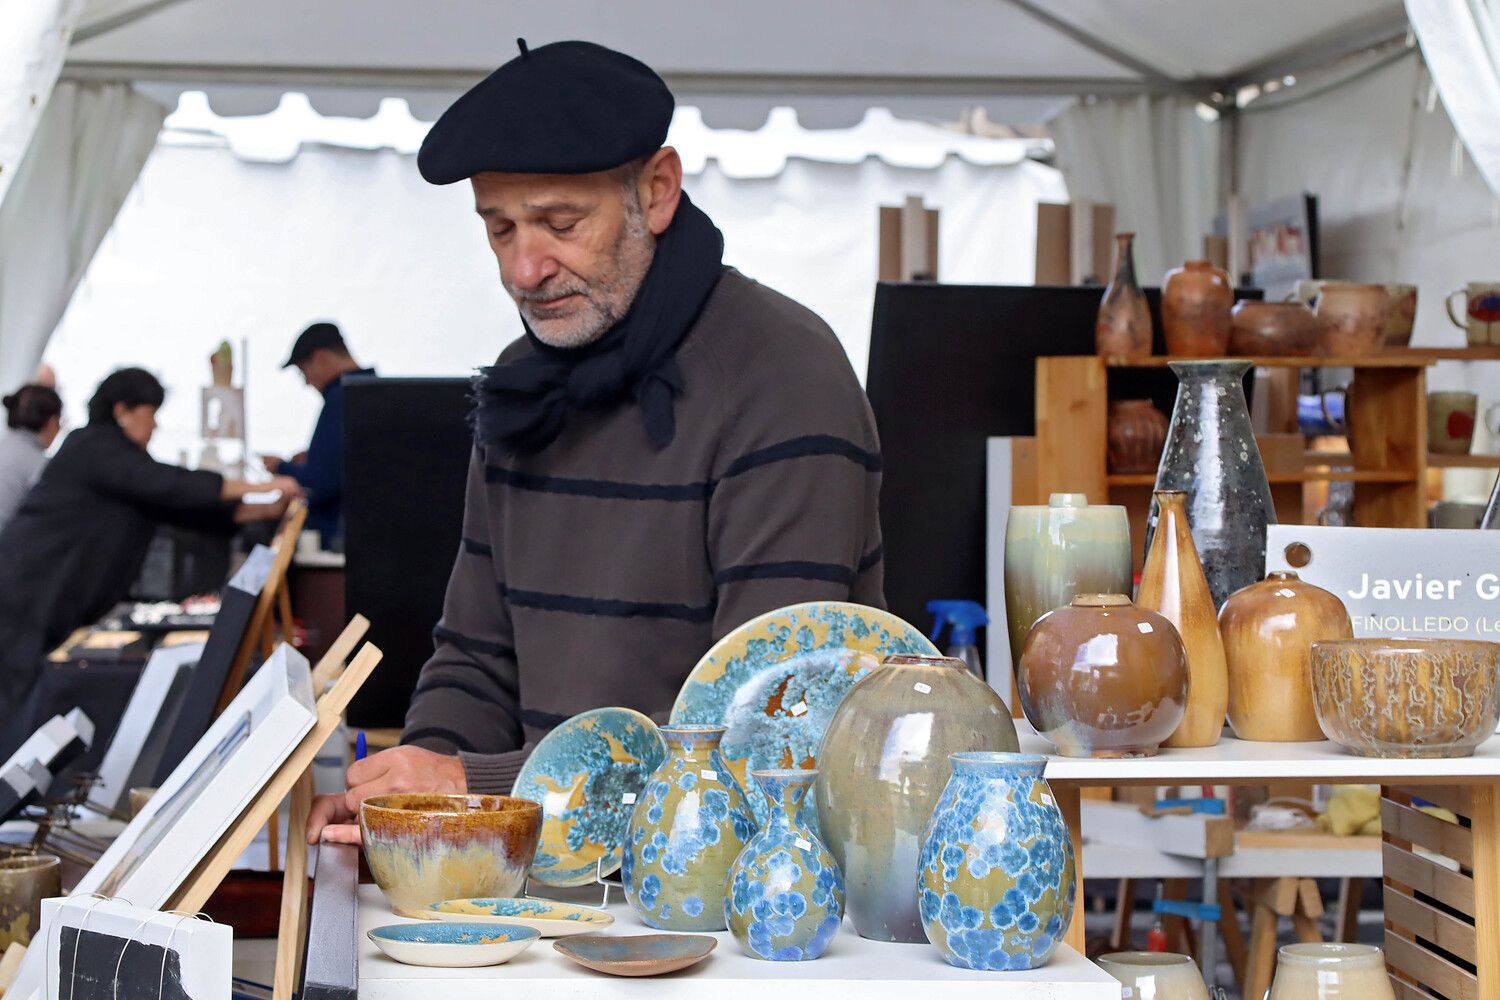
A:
(1406, 697)
(785, 898)
(1056, 552)
(1211, 455)
(1268, 629)
(1331, 972)
(1401, 315)
(1123, 326)
(1353, 317)
(24, 882)
(1273, 330)
(883, 764)
(1103, 678)
(1137, 432)
(996, 876)
(687, 828)
(1195, 303)
(1173, 585)
(1156, 975)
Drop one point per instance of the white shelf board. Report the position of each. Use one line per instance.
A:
(852, 966)
(1116, 861)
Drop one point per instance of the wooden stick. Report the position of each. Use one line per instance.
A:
(284, 546)
(291, 936)
(331, 665)
(10, 964)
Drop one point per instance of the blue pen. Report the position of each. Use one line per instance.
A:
(360, 749)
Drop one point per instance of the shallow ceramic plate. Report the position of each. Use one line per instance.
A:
(636, 954)
(547, 917)
(453, 946)
(774, 682)
(586, 774)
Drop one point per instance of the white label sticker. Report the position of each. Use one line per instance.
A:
(921, 688)
(802, 844)
(1146, 629)
(628, 798)
(799, 709)
(709, 775)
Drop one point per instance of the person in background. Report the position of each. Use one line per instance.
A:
(76, 543)
(323, 359)
(34, 415)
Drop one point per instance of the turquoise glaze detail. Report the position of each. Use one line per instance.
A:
(442, 932)
(786, 896)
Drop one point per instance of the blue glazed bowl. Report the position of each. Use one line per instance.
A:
(453, 945)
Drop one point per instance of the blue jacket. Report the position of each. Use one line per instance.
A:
(322, 474)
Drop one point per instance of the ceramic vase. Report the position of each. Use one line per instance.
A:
(1123, 327)
(883, 764)
(1056, 552)
(1268, 629)
(1273, 329)
(687, 828)
(996, 876)
(1195, 302)
(1137, 432)
(1353, 318)
(1103, 678)
(1173, 585)
(1331, 972)
(785, 898)
(24, 882)
(1212, 456)
(1156, 975)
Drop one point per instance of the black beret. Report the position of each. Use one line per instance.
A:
(564, 108)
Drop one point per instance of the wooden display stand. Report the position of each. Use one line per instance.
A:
(274, 597)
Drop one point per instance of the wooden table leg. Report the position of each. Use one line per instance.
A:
(1119, 940)
(1347, 926)
(1229, 930)
(1071, 804)
(1179, 931)
(1484, 814)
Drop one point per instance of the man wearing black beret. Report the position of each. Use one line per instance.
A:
(671, 449)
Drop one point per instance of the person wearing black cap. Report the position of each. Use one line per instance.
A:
(670, 450)
(323, 358)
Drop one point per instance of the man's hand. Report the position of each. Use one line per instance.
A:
(286, 485)
(399, 769)
(271, 462)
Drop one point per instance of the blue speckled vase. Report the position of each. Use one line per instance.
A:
(995, 881)
(786, 895)
(687, 828)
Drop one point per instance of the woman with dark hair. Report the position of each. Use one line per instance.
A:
(34, 415)
(77, 541)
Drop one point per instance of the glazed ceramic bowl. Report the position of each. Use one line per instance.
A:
(547, 917)
(423, 849)
(1156, 975)
(636, 954)
(1273, 329)
(1331, 972)
(1406, 697)
(453, 946)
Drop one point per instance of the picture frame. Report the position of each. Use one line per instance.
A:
(104, 950)
(56, 744)
(136, 748)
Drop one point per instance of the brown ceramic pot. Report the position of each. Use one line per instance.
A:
(1103, 678)
(1137, 431)
(1195, 303)
(1123, 328)
(1353, 318)
(24, 882)
(1268, 630)
(1401, 316)
(1273, 330)
(1173, 584)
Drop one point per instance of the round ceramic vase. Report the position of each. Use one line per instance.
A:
(1137, 431)
(1195, 302)
(883, 764)
(785, 899)
(996, 877)
(1103, 678)
(1273, 329)
(1155, 975)
(687, 828)
(1056, 552)
(1331, 972)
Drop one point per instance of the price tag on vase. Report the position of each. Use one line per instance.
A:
(1416, 583)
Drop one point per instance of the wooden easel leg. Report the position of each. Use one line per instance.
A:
(291, 936)
(1484, 813)
(1071, 804)
(1229, 930)
(1119, 940)
(273, 843)
(284, 608)
(1273, 899)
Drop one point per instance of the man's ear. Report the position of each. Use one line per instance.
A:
(661, 189)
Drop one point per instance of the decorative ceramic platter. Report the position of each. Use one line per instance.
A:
(774, 682)
(453, 946)
(547, 917)
(636, 954)
(585, 775)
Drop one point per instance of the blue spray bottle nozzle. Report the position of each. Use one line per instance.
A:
(961, 618)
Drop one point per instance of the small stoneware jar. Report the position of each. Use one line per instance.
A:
(1195, 303)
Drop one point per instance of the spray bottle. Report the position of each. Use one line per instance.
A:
(961, 619)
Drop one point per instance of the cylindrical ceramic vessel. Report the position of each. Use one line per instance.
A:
(1268, 630)
(1331, 972)
(1353, 318)
(687, 828)
(1451, 419)
(1156, 975)
(1103, 678)
(1054, 553)
(1273, 329)
(883, 764)
(785, 898)
(1137, 432)
(1195, 303)
(1123, 326)
(996, 877)
(24, 883)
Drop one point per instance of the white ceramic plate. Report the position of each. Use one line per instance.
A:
(547, 917)
(445, 945)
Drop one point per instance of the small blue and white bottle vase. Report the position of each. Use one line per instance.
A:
(785, 899)
(996, 876)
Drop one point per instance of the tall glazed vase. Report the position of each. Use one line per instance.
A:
(785, 898)
(687, 828)
(1211, 455)
(996, 877)
(1123, 326)
(883, 764)
(1173, 585)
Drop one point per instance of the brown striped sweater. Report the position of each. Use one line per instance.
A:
(597, 571)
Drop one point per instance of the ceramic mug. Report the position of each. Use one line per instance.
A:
(1450, 422)
(1481, 312)
(1455, 514)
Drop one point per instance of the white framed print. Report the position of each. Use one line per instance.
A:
(107, 949)
(123, 765)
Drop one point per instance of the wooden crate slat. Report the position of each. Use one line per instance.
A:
(1448, 839)
(1431, 924)
(1071, 422)
(1454, 798)
(1406, 991)
(1453, 889)
(1436, 973)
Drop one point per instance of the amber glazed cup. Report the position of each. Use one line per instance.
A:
(1406, 697)
(423, 849)
(24, 882)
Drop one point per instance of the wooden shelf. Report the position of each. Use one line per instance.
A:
(1437, 461)
(1396, 359)
(1456, 353)
(1276, 478)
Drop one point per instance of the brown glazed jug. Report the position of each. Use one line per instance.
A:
(1173, 584)
(1123, 328)
(1268, 629)
(1353, 318)
(1195, 302)
(1137, 432)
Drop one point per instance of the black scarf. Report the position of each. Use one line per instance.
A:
(521, 405)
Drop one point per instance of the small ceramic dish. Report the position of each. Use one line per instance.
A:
(636, 954)
(547, 917)
(453, 946)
